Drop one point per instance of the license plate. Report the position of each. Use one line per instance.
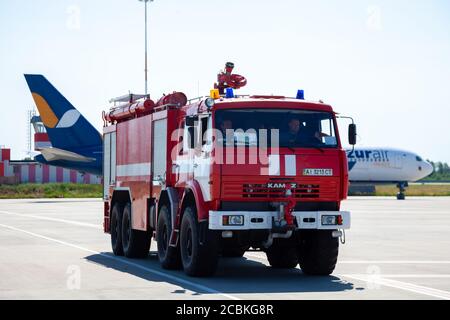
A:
(317, 172)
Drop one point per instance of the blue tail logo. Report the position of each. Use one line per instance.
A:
(66, 127)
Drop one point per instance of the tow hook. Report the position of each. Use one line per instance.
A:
(288, 209)
(339, 234)
(283, 226)
(285, 221)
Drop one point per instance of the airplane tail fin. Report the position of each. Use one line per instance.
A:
(65, 125)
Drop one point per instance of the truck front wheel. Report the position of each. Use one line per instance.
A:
(282, 257)
(116, 230)
(169, 257)
(136, 243)
(199, 259)
(318, 252)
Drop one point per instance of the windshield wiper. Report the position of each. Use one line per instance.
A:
(319, 148)
(291, 147)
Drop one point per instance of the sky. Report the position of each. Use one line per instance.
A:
(384, 63)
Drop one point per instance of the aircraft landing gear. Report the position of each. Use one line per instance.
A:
(401, 190)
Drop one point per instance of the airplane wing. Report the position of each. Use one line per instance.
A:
(53, 154)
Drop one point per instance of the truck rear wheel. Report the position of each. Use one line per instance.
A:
(169, 257)
(199, 259)
(318, 252)
(116, 230)
(136, 243)
(282, 257)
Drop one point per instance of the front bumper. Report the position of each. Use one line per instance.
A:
(263, 220)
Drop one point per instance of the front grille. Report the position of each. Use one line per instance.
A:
(308, 189)
(262, 191)
(266, 206)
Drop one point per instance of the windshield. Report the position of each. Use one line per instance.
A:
(292, 128)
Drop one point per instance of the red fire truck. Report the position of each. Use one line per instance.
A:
(215, 176)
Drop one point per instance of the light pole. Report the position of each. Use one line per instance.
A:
(146, 69)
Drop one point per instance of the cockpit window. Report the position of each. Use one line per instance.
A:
(419, 158)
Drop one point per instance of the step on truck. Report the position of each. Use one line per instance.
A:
(215, 176)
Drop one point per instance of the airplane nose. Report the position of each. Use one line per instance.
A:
(427, 168)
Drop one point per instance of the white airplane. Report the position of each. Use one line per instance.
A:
(386, 165)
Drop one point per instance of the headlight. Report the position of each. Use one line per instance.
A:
(209, 102)
(233, 220)
(329, 220)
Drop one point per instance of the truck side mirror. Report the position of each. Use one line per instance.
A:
(352, 134)
(191, 120)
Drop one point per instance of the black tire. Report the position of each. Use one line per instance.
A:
(169, 257)
(199, 259)
(234, 252)
(282, 257)
(136, 243)
(116, 230)
(400, 196)
(318, 252)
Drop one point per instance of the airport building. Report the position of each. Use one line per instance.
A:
(30, 171)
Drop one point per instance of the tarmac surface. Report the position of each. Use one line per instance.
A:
(56, 249)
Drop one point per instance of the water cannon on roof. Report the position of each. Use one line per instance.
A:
(226, 79)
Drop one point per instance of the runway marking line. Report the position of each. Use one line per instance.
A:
(376, 261)
(395, 262)
(136, 265)
(379, 279)
(382, 280)
(416, 276)
(77, 223)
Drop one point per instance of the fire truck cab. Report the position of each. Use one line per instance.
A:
(215, 176)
